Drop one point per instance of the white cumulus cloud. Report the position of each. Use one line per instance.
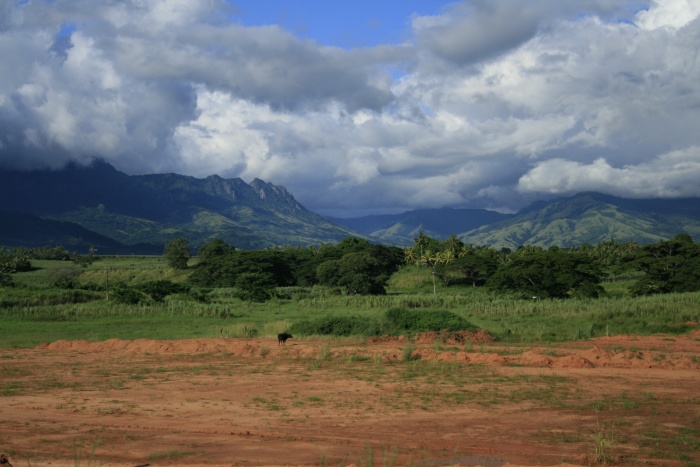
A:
(487, 103)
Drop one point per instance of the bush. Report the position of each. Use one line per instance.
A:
(6, 280)
(127, 295)
(338, 326)
(158, 290)
(403, 320)
(92, 286)
(200, 295)
(396, 321)
(65, 277)
(12, 262)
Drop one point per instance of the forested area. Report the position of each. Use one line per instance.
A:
(358, 267)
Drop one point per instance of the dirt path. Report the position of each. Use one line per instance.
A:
(385, 402)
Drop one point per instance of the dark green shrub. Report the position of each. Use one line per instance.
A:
(6, 280)
(125, 294)
(338, 326)
(401, 320)
(396, 321)
(93, 286)
(200, 295)
(14, 261)
(65, 277)
(158, 290)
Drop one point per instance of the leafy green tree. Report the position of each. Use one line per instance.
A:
(476, 268)
(670, 266)
(82, 261)
(272, 262)
(352, 245)
(214, 249)
(222, 270)
(548, 274)
(390, 258)
(303, 263)
(177, 253)
(14, 261)
(255, 287)
(58, 253)
(219, 265)
(453, 244)
(424, 244)
(410, 256)
(357, 273)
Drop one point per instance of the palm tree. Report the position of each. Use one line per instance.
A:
(420, 243)
(446, 257)
(427, 258)
(465, 250)
(409, 255)
(453, 244)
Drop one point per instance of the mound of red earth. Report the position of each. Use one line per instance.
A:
(444, 337)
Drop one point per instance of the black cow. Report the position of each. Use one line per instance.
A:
(282, 338)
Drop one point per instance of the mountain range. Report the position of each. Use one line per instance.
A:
(141, 213)
(571, 221)
(99, 206)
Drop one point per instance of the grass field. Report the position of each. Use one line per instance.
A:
(35, 311)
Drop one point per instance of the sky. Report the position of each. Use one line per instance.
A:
(363, 107)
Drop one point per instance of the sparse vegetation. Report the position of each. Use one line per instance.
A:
(149, 299)
(603, 443)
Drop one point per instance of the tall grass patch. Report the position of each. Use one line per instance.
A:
(35, 311)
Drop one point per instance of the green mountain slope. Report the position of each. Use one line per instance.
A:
(98, 205)
(25, 230)
(591, 218)
(157, 208)
(401, 229)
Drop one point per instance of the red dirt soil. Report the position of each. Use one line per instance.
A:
(437, 399)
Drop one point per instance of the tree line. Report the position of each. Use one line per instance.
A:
(355, 266)
(359, 267)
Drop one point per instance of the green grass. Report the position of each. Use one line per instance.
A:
(33, 312)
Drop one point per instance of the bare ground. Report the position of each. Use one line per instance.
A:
(435, 400)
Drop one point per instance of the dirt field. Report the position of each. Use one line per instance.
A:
(432, 401)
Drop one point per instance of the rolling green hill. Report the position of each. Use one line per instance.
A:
(591, 218)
